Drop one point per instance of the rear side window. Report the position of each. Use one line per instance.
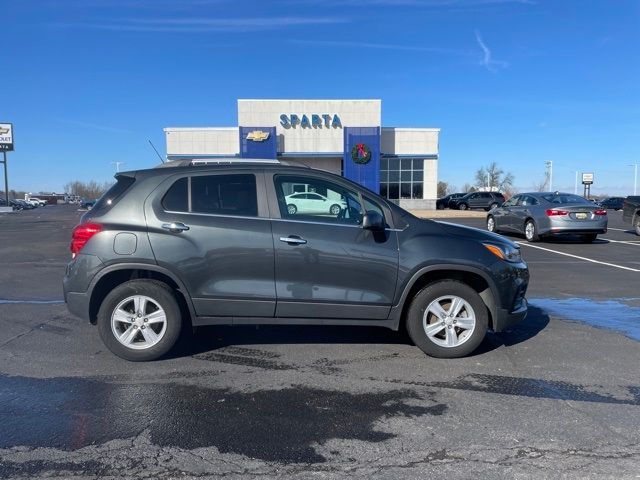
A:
(214, 194)
(175, 199)
(110, 196)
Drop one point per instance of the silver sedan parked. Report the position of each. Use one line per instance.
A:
(542, 214)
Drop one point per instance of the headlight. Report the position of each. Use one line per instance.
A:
(504, 252)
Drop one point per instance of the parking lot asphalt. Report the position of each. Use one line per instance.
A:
(556, 397)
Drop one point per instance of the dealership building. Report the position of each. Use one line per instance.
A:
(345, 137)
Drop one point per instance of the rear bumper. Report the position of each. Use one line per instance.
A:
(78, 304)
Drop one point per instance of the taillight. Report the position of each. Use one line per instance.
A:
(600, 212)
(81, 235)
(556, 213)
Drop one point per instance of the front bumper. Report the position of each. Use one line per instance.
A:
(511, 304)
(506, 319)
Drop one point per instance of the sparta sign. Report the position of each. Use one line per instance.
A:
(6, 137)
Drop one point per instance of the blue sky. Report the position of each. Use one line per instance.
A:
(88, 82)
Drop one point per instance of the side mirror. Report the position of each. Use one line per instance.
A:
(372, 220)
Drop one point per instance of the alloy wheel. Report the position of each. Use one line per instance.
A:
(138, 322)
(449, 321)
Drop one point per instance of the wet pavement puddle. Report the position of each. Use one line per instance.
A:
(610, 314)
(273, 425)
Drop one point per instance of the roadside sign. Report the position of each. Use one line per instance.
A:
(587, 178)
(6, 137)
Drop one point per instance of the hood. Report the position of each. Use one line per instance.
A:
(475, 234)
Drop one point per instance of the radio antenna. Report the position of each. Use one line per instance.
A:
(155, 150)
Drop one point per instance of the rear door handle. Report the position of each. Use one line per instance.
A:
(175, 227)
(293, 240)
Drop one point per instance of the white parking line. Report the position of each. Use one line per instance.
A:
(580, 258)
(619, 229)
(628, 242)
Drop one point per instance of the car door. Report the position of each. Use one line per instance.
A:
(327, 265)
(503, 216)
(522, 211)
(212, 231)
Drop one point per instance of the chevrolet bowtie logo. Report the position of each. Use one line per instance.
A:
(257, 136)
(6, 130)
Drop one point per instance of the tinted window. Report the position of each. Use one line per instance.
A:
(224, 195)
(111, 195)
(175, 199)
(512, 201)
(565, 198)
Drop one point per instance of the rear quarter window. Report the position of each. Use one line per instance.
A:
(123, 183)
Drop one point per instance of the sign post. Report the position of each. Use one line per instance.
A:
(6, 145)
(587, 181)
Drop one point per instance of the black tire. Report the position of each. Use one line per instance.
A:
(292, 209)
(335, 209)
(463, 206)
(637, 225)
(422, 300)
(440, 206)
(493, 205)
(491, 221)
(161, 294)
(533, 236)
(589, 237)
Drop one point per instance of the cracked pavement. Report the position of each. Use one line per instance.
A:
(550, 399)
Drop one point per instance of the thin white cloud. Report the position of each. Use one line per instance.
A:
(199, 24)
(379, 46)
(487, 61)
(94, 126)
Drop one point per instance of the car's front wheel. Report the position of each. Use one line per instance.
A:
(637, 225)
(447, 319)
(463, 206)
(140, 320)
(292, 209)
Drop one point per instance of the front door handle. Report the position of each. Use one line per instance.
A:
(293, 240)
(175, 227)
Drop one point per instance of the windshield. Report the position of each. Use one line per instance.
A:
(564, 198)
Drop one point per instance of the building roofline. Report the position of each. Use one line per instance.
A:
(183, 129)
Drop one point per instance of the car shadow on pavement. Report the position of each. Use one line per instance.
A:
(209, 339)
(536, 321)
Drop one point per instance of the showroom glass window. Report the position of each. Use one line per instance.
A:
(401, 178)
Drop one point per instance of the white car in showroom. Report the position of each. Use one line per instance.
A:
(313, 203)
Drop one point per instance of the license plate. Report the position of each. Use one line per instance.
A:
(581, 216)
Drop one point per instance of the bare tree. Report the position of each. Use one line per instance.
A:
(467, 187)
(88, 190)
(444, 189)
(492, 177)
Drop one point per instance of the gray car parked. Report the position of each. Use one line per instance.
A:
(168, 249)
(549, 213)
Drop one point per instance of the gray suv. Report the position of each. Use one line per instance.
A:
(168, 249)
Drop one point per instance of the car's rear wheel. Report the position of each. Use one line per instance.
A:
(463, 206)
(531, 231)
(140, 320)
(493, 205)
(447, 319)
(491, 224)
(292, 209)
(589, 237)
(440, 206)
(637, 225)
(335, 209)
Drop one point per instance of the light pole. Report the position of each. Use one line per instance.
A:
(117, 164)
(635, 177)
(575, 188)
(549, 165)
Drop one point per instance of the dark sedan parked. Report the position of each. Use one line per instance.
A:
(448, 201)
(484, 200)
(543, 214)
(613, 203)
